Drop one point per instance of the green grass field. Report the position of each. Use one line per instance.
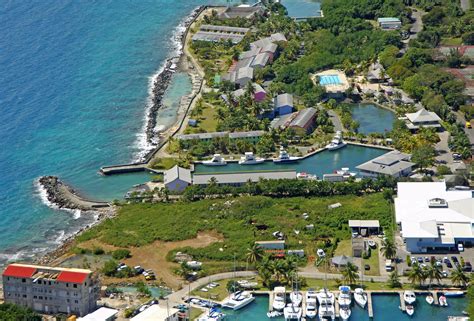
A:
(373, 261)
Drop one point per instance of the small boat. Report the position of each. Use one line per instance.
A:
(344, 298)
(344, 171)
(429, 299)
(238, 300)
(213, 315)
(410, 309)
(311, 308)
(325, 295)
(360, 297)
(304, 175)
(284, 157)
(345, 313)
(372, 244)
(247, 285)
(250, 159)
(279, 302)
(296, 298)
(443, 302)
(453, 294)
(292, 313)
(216, 160)
(409, 297)
(336, 142)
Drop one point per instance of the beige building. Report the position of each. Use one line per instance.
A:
(51, 289)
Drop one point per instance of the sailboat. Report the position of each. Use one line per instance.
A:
(296, 297)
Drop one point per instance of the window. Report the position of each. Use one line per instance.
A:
(39, 281)
(49, 282)
(68, 300)
(75, 285)
(23, 280)
(67, 285)
(76, 301)
(24, 295)
(35, 297)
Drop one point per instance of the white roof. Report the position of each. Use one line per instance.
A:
(364, 223)
(423, 116)
(155, 313)
(100, 314)
(419, 219)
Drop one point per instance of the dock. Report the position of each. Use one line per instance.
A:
(337, 308)
(402, 302)
(126, 168)
(370, 306)
(271, 297)
(435, 297)
(303, 303)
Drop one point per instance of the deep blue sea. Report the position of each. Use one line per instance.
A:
(74, 87)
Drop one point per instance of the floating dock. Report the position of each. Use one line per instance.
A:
(370, 306)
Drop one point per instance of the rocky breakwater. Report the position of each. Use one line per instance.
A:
(65, 197)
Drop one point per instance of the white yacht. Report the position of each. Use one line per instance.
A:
(336, 142)
(410, 309)
(213, 315)
(292, 312)
(284, 157)
(409, 297)
(344, 171)
(296, 297)
(250, 159)
(311, 307)
(238, 300)
(279, 300)
(360, 297)
(216, 160)
(344, 298)
(326, 309)
(345, 313)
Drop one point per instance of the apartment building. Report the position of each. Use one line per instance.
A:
(51, 290)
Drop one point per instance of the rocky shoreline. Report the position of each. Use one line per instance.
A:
(162, 82)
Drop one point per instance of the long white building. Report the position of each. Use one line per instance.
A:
(432, 218)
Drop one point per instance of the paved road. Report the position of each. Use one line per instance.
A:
(335, 120)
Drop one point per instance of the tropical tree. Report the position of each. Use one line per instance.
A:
(254, 254)
(388, 249)
(184, 270)
(458, 277)
(433, 272)
(416, 275)
(394, 280)
(349, 273)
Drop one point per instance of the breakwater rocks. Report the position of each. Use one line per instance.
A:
(62, 196)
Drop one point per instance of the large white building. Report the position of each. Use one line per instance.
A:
(432, 218)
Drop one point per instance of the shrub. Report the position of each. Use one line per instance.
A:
(443, 170)
(98, 251)
(121, 254)
(110, 268)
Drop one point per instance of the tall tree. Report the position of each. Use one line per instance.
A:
(254, 254)
(389, 249)
(349, 273)
(423, 156)
(433, 272)
(416, 275)
(458, 277)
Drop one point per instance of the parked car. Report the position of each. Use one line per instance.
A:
(445, 259)
(427, 259)
(367, 267)
(448, 264)
(444, 274)
(455, 259)
(320, 253)
(420, 259)
(467, 267)
(460, 247)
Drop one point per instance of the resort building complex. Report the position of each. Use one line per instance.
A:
(394, 163)
(302, 121)
(51, 290)
(432, 218)
(177, 178)
(247, 12)
(220, 33)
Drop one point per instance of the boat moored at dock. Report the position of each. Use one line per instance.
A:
(409, 297)
(238, 300)
(429, 299)
(216, 160)
(345, 313)
(311, 308)
(360, 297)
(284, 157)
(292, 312)
(279, 301)
(336, 142)
(250, 159)
(410, 309)
(344, 298)
(443, 302)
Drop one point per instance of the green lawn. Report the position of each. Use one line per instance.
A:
(373, 261)
(164, 163)
(207, 122)
(344, 247)
(451, 42)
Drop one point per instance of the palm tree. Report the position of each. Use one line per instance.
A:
(433, 272)
(458, 277)
(394, 280)
(254, 254)
(416, 275)
(349, 273)
(388, 249)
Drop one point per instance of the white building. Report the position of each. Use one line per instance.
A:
(394, 163)
(101, 314)
(157, 313)
(432, 218)
(422, 118)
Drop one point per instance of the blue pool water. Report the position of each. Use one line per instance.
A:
(385, 309)
(302, 8)
(318, 164)
(372, 118)
(74, 89)
(325, 80)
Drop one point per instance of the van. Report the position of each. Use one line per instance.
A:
(388, 265)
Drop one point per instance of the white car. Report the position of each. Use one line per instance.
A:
(460, 247)
(320, 253)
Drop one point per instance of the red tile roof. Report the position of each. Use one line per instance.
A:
(19, 271)
(72, 277)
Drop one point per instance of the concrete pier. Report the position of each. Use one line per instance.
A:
(271, 297)
(435, 297)
(126, 168)
(402, 302)
(370, 306)
(337, 308)
(303, 303)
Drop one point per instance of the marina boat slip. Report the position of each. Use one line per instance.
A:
(284, 157)
(216, 160)
(296, 297)
(250, 159)
(326, 309)
(311, 308)
(324, 294)
(336, 142)
(238, 300)
(345, 313)
(292, 312)
(279, 301)
(409, 297)
(344, 298)
(429, 299)
(360, 297)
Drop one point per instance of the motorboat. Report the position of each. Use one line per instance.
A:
(360, 297)
(216, 160)
(344, 298)
(213, 315)
(194, 264)
(345, 313)
(279, 301)
(454, 294)
(250, 159)
(326, 309)
(324, 294)
(311, 294)
(238, 300)
(292, 312)
(336, 142)
(410, 309)
(372, 244)
(429, 299)
(443, 302)
(284, 157)
(296, 298)
(304, 175)
(409, 297)
(344, 171)
(311, 308)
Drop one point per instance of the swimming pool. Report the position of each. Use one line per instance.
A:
(329, 80)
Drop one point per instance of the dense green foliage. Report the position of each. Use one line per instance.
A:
(237, 220)
(470, 295)
(11, 312)
(121, 254)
